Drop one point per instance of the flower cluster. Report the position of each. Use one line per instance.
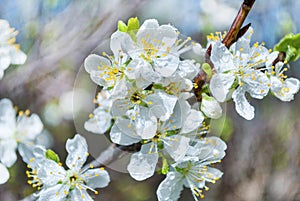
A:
(54, 182)
(23, 129)
(10, 52)
(147, 98)
(244, 69)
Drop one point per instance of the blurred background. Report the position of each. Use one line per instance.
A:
(263, 156)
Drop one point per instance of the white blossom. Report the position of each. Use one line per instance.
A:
(172, 139)
(56, 183)
(10, 52)
(194, 171)
(100, 120)
(239, 65)
(15, 130)
(210, 107)
(284, 88)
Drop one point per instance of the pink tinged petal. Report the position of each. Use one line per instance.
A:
(177, 146)
(7, 118)
(145, 123)
(100, 122)
(28, 127)
(4, 174)
(96, 178)
(242, 105)
(142, 164)
(119, 137)
(77, 152)
(93, 62)
(193, 120)
(220, 85)
(80, 195)
(221, 58)
(8, 154)
(56, 192)
(170, 188)
(50, 173)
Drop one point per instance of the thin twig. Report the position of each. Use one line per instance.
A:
(233, 34)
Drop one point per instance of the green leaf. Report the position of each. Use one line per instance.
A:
(207, 69)
(133, 24)
(290, 44)
(52, 156)
(122, 26)
(165, 166)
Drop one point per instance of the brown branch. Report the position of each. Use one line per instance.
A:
(112, 153)
(233, 34)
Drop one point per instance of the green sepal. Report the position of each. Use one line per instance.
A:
(165, 166)
(290, 44)
(207, 69)
(52, 156)
(122, 26)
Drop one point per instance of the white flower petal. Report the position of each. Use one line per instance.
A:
(220, 85)
(56, 192)
(145, 123)
(221, 58)
(28, 127)
(167, 65)
(17, 56)
(50, 173)
(77, 152)
(211, 108)
(8, 154)
(7, 119)
(4, 174)
(100, 122)
(257, 84)
(120, 107)
(170, 188)
(93, 62)
(162, 104)
(287, 90)
(177, 146)
(4, 62)
(96, 178)
(80, 195)
(242, 105)
(118, 135)
(192, 121)
(142, 166)
(117, 42)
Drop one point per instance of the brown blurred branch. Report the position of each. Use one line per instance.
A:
(112, 153)
(233, 34)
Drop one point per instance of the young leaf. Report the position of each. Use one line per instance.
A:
(122, 26)
(207, 69)
(52, 156)
(290, 44)
(133, 24)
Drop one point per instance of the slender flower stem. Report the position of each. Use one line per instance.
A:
(233, 34)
